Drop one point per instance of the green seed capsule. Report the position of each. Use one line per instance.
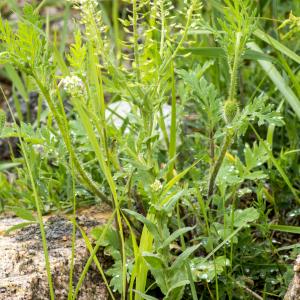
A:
(2, 120)
(230, 110)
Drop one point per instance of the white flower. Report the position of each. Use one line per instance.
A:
(74, 86)
(156, 185)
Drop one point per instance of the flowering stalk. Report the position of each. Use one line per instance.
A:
(230, 110)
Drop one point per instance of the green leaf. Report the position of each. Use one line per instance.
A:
(285, 228)
(245, 216)
(256, 156)
(279, 82)
(175, 291)
(181, 259)
(218, 52)
(144, 296)
(277, 45)
(110, 238)
(116, 274)
(175, 179)
(8, 165)
(150, 225)
(18, 226)
(207, 270)
(175, 235)
(23, 213)
(17, 81)
(168, 202)
(153, 260)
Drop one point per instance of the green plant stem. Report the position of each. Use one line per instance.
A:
(234, 69)
(172, 146)
(162, 31)
(184, 35)
(217, 165)
(70, 294)
(63, 129)
(37, 204)
(92, 255)
(115, 11)
(135, 40)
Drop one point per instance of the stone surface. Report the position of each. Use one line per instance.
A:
(22, 268)
(293, 292)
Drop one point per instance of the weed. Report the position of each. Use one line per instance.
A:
(193, 198)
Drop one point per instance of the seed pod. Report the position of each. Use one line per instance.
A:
(230, 110)
(2, 120)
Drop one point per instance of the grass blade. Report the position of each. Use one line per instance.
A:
(279, 81)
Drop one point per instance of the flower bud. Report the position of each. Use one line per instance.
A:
(230, 110)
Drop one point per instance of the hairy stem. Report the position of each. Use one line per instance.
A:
(234, 68)
(217, 165)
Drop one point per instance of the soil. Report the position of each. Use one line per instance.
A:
(22, 267)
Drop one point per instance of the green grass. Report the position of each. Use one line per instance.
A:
(199, 196)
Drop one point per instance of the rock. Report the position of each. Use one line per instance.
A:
(293, 292)
(22, 267)
(118, 111)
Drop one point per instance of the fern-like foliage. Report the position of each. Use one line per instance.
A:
(26, 47)
(236, 28)
(240, 19)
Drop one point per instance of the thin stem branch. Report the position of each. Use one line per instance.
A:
(88, 182)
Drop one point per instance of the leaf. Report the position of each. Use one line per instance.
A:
(245, 216)
(175, 235)
(23, 213)
(175, 179)
(150, 225)
(256, 156)
(173, 293)
(8, 165)
(153, 260)
(18, 226)
(181, 259)
(168, 202)
(116, 274)
(207, 270)
(17, 81)
(110, 238)
(277, 45)
(285, 228)
(218, 52)
(144, 296)
(279, 82)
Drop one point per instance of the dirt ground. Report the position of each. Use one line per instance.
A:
(22, 265)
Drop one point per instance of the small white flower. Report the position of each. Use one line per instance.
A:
(73, 85)
(156, 185)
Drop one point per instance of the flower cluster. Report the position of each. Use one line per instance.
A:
(74, 86)
(90, 16)
(156, 185)
(293, 23)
